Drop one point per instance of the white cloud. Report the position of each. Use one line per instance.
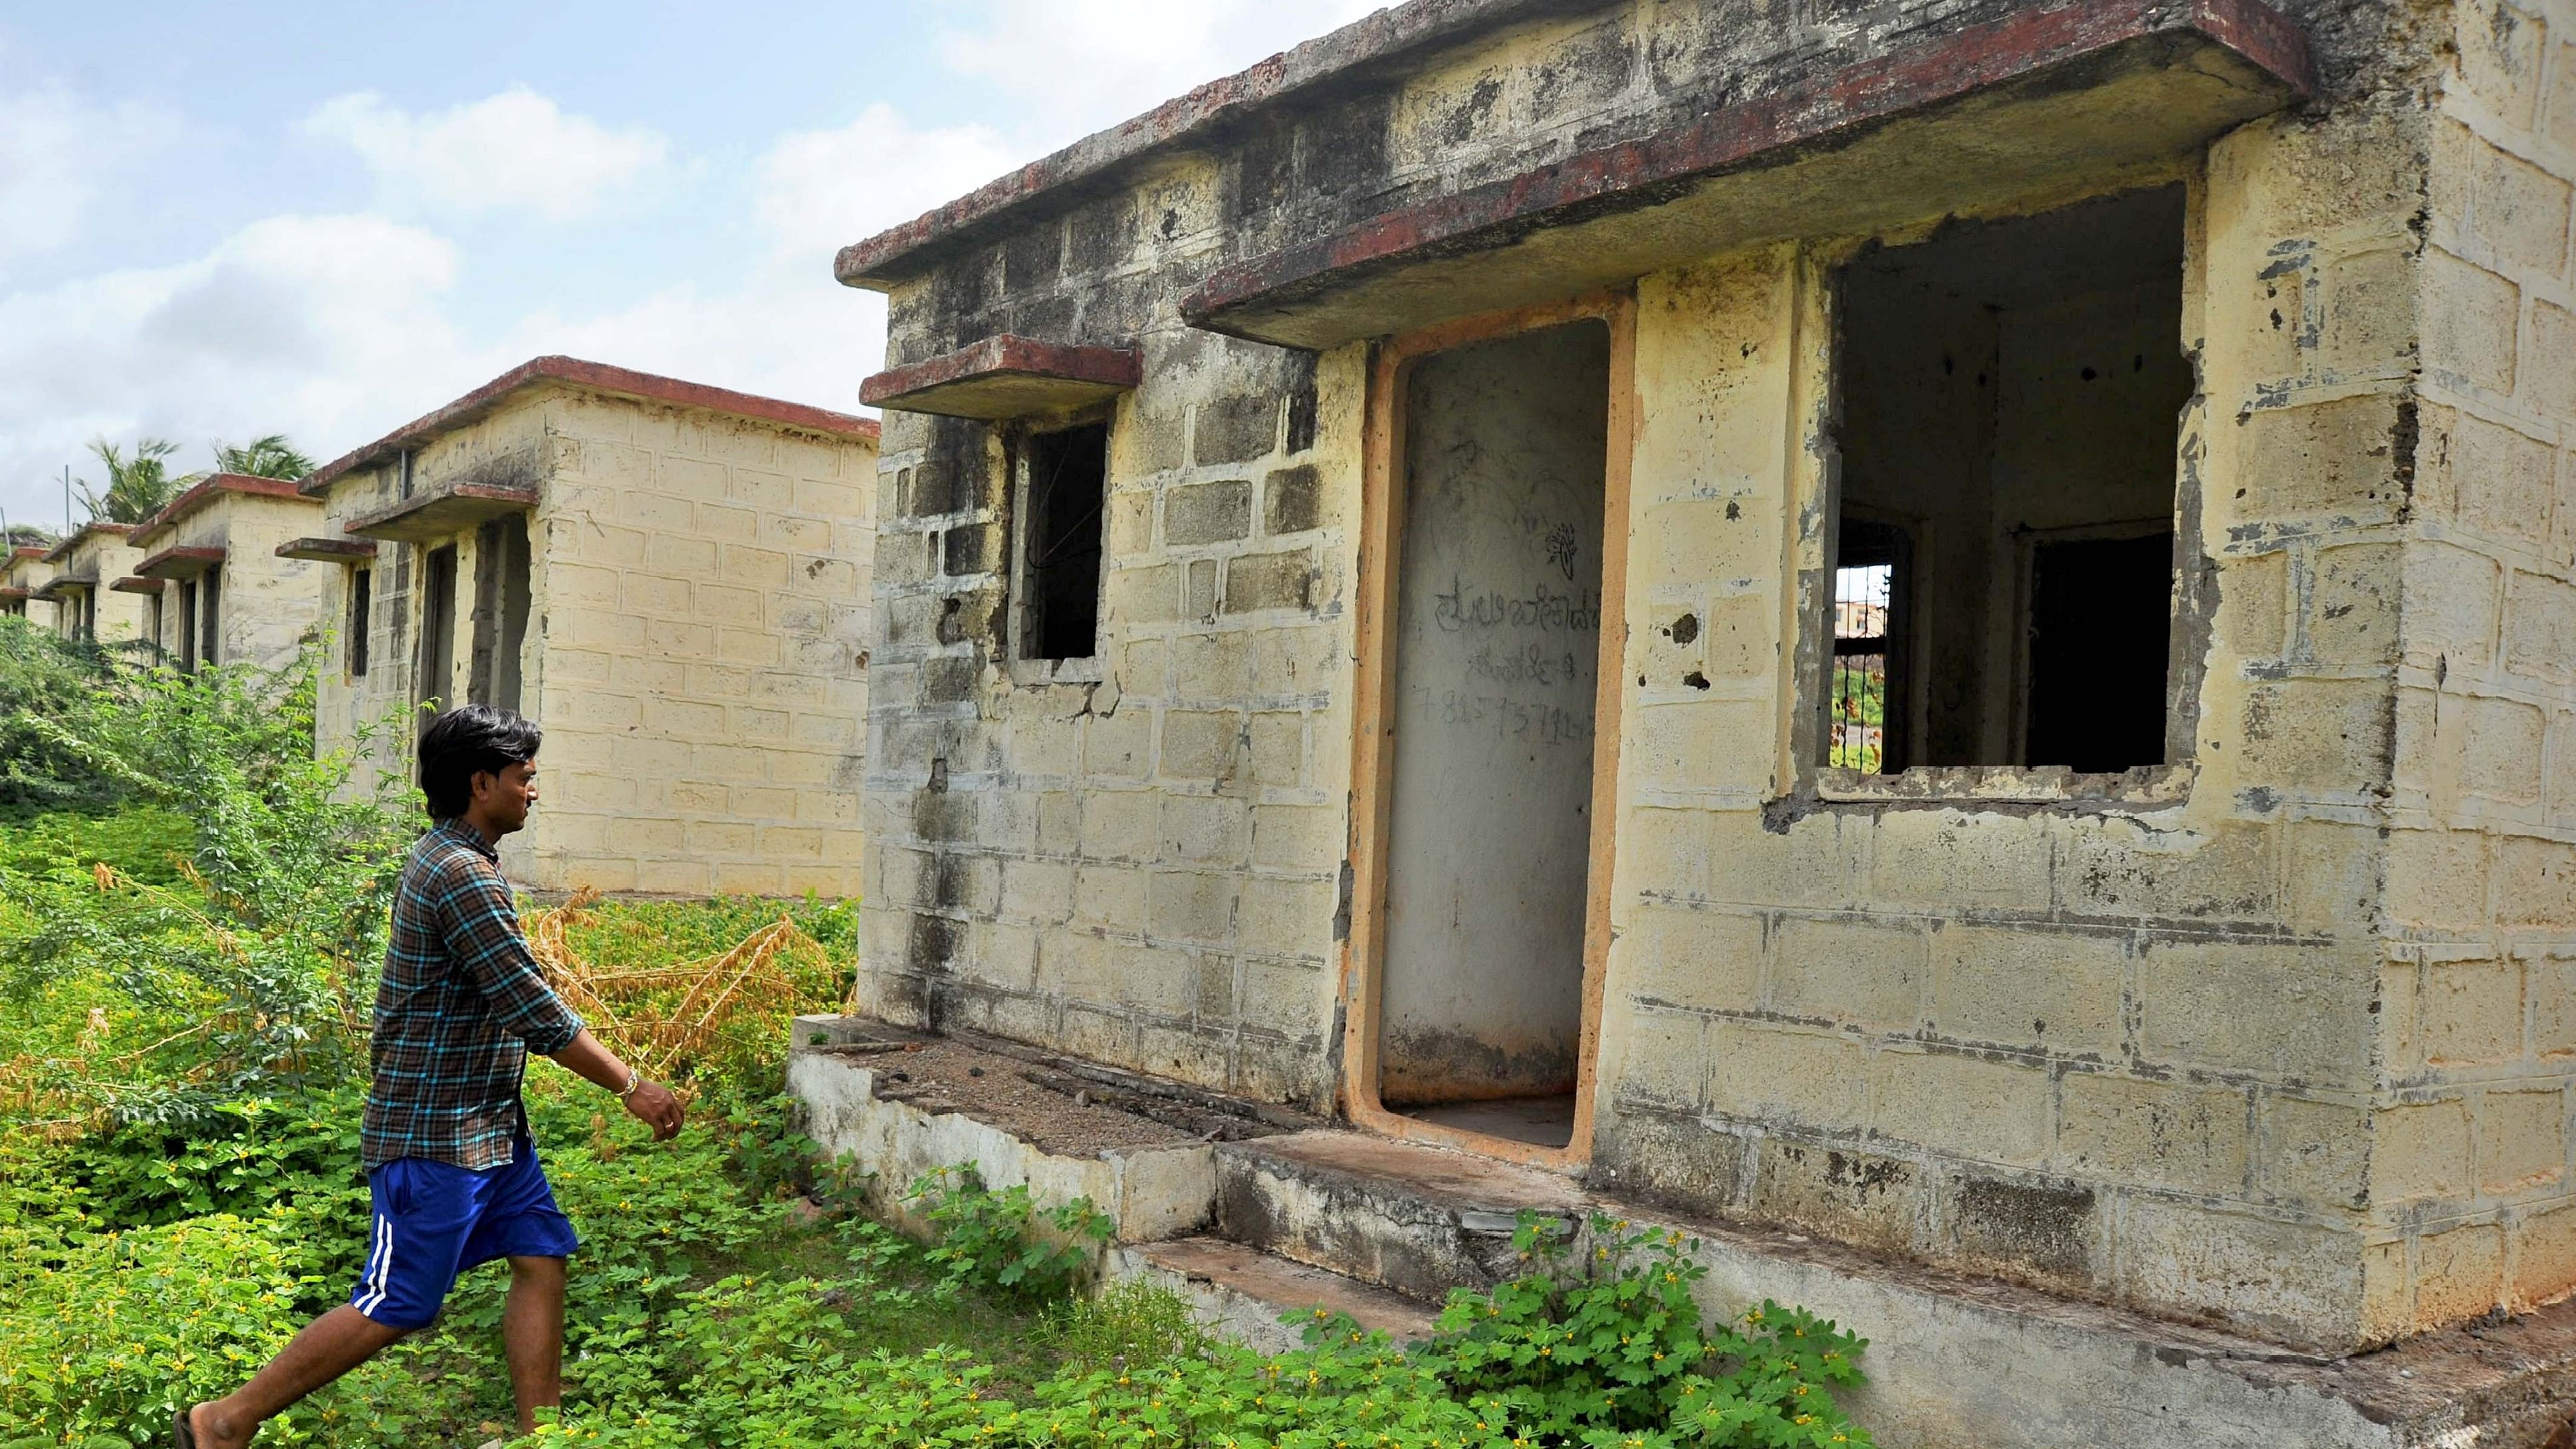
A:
(336, 328)
(1080, 65)
(328, 328)
(58, 153)
(512, 151)
(821, 190)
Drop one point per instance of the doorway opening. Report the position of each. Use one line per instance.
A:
(1491, 647)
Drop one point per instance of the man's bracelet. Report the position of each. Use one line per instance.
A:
(634, 1079)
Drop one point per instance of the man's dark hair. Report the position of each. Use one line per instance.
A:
(463, 741)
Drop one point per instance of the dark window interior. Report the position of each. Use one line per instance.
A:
(437, 625)
(362, 583)
(2010, 399)
(2101, 621)
(500, 609)
(210, 591)
(1068, 473)
(187, 626)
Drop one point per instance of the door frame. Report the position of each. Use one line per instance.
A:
(1373, 732)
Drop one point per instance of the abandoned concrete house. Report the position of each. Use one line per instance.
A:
(1947, 629)
(215, 589)
(25, 572)
(671, 579)
(87, 565)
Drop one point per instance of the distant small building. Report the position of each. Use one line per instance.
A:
(25, 572)
(214, 586)
(86, 565)
(671, 579)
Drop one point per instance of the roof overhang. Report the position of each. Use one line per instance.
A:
(1006, 376)
(327, 550)
(179, 563)
(205, 491)
(13, 593)
(596, 377)
(63, 550)
(56, 588)
(428, 516)
(2042, 102)
(136, 584)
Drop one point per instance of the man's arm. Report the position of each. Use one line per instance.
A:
(652, 1103)
(482, 927)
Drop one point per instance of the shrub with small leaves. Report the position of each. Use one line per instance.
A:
(1001, 1241)
(1602, 1342)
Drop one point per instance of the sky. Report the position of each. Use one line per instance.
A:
(224, 220)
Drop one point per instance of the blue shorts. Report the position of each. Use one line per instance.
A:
(434, 1220)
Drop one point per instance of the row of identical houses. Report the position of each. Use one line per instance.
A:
(671, 579)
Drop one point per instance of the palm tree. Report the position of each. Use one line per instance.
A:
(137, 487)
(268, 456)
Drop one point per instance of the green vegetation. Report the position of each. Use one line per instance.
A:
(185, 968)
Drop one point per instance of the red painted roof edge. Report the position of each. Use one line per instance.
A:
(2248, 27)
(1007, 353)
(72, 541)
(1868, 93)
(204, 492)
(1373, 39)
(598, 377)
(30, 550)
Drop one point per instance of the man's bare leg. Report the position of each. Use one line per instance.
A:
(329, 1346)
(532, 1322)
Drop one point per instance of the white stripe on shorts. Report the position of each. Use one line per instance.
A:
(380, 1267)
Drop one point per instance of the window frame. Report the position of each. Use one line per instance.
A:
(362, 592)
(1019, 448)
(2145, 786)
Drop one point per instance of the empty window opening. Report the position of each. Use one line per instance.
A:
(1496, 663)
(1861, 731)
(2003, 573)
(210, 589)
(1066, 483)
(188, 626)
(500, 610)
(437, 627)
(160, 621)
(362, 585)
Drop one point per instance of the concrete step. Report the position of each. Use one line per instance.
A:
(1248, 1296)
(1415, 1219)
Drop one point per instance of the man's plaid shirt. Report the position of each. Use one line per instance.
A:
(462, 1005)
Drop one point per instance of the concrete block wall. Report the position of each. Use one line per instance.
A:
(1142, 869)
(696, 646)
(2127, 1041)
(102, 554)
(2472, 1186)
(266, 606)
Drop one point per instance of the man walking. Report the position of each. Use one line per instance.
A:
(450, 1167)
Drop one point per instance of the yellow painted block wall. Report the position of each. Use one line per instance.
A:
(266, 606)
(2472, 1187)
(696, 647)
